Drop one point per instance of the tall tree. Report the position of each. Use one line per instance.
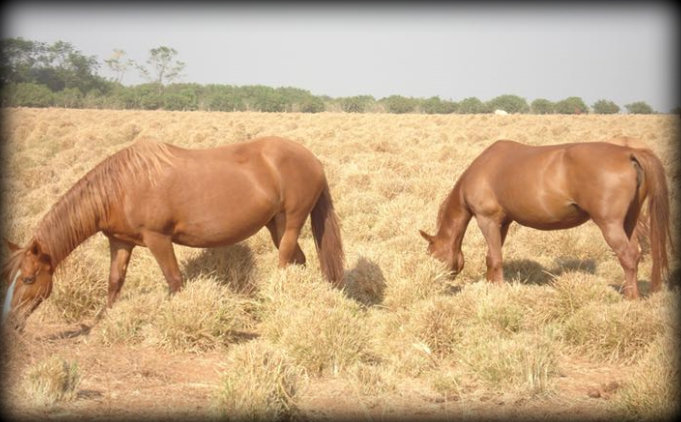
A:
(163, 67)
(118, 64)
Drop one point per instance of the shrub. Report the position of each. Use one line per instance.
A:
(639, 107)
(399, 104)
(542, 106)
(509, 103)
(605, 107)
(27, 95)
(69, 98)
(435, 105)
(356, 104)
(472, 105)
(312, 105)
(571, 105)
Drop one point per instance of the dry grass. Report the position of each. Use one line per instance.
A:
(52, 380)
(400, 330)
(259, 384)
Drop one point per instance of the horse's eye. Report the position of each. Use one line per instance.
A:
(29, 280)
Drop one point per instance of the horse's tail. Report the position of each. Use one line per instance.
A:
(658, 212)
(327, 237)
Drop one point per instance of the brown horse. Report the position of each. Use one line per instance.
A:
(154, 194)
(558, 187)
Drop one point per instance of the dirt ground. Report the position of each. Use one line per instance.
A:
(141, 383)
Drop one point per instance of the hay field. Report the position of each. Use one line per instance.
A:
(401, 339)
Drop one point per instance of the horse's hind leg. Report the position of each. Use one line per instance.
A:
(285, 237)
(627, 252)
(161, 247)
(120, 256)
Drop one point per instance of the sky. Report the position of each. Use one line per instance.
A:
(618, 52)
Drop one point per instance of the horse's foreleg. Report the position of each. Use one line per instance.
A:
(493, 233)
(120, 256)
(627, 252)
(161, 247)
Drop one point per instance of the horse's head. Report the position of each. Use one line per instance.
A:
(441, 249)
(29, 274)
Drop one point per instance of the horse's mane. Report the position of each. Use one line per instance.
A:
(74, 217)
(446, 206)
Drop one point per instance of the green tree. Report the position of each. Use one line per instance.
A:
(58, 66)
(399, 104)
(222, 98)
(69, 98)
(118, 64)
(472, 105)
(356, 104)
(18, 59)
(542, 106)
(509, 103)
(163, 67)
(639, 107)
(605, 107)
(571, 105)
(148, 96)
(312, 104)
(434, 105)
(27, 95)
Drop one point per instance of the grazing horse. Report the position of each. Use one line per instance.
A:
(558, 187)
(154, 194)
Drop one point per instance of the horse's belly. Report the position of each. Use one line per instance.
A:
(543, 218)
(222, 229)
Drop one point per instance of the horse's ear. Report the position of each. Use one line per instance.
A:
(35, 248)
(13, 247)
(426, 236)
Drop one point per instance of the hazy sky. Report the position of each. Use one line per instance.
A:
(623, 53)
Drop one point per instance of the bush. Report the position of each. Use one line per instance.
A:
(356, 104)
(509, 103)
(148, 96)
(69, 98)
(571, 105)
(27, 95)
(312, 105)
(399, 104)
(639, 107)
(435, 105)
(542, 106)
(605, 107)
(472, 105)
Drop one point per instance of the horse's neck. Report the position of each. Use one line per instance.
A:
(454, 217)
(72, 220)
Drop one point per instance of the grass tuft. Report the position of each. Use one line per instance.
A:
(52, 380)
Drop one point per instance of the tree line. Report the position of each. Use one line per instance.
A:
(38, 74)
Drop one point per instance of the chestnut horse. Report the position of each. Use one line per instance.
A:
(153, 194)
(558, 187)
